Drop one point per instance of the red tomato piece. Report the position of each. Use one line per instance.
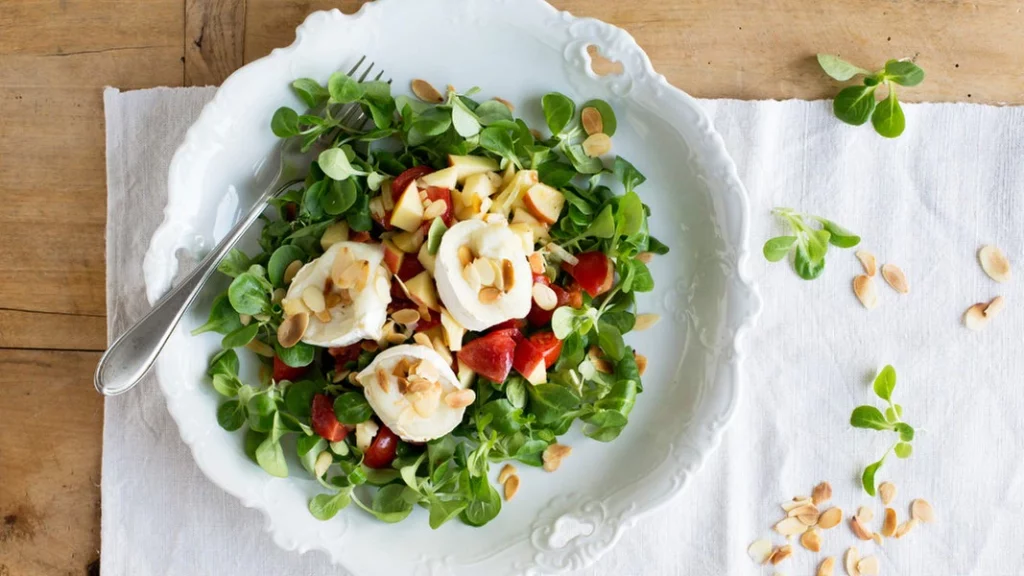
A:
(491, 355)
(516, 323)
(283, 371)
(549, 346)
(402, 181)
(345, 354)
(381, 452)
(410, 267)
(325, 423)
(575, 296)
(594, 272)
(436, 194)
(541, 317)
(529, 361)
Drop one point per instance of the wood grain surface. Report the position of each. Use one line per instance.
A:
(57, 55)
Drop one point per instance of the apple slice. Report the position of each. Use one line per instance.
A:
(525, 233)
(490, 355)
(453, 331)
(594, 272)
(409, 242)
(393, 256)
(425, 257)
(480, 185)
(466, 166)
(523, 216)
(466, 375)
(446, 178)
(529, 361)
(408, 212)
(507, 174)
(421, 288)
(544, 202)
(512, 193)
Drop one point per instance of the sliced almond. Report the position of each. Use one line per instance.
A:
(425, 370)
(830, 518)
(261, 348)
(396, 338)
(877, 538)
(406, 316)
(887, 491)
(760, 551)
(383, 381)
(465, 255)
(511, 107)
(895, 277)
(340, 376)
(278, 296)
(591, 119)
(460, 399)
(435, 210)
(536, 263)
(811, 540)
(905, 527)
(852, 557)
(506, 471)
(313, 298)
(922, 511)
(821, 493)
(401, 368)
(859, 530)
(485, 270)
(332, 299)
(780, 554)
(889, 524)
(867, 293)
(865, 514)
(369, 345)
(805, 509)
(291, 271)
(994, 263)
(868, 566)
(827, 567)
(417, 384)
(867, 260)
(796, 503)
(790, 526)
(645, 257)
(808, 519)
(426, 92)
(348, 276)
(511, 487)
(645, 321)
(425, 402)
(423, 340)
(553, 456)
(508, 275)
(597, 145)
(489, 295)
(323, 316)
(472, 277)
(641, 363)
(995, 307)
(544, 296)
(292, 329)
(974, 317)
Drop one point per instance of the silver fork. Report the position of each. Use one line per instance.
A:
(132, 355)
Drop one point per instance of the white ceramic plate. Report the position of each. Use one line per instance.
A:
(519, 50)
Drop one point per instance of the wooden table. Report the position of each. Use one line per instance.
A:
(57, 55)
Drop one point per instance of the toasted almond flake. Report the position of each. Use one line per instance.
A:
(597, 145)
(442, 350)
(406, 316)
(865, 514)
(353, 379)
(423, 340)
(511, 107)
(332, 299)
(401, 368)
(511, 487)
(363, 278)
(506, 471)
(291, 271)
(460, 399)
(974, 317)
(292, 329)
(808, 519)
(435, 210)
(508, 275)
(905, 527)
(313, 298)
(645, 321)
(553, 456)
(383, 381)
(790, 527)
(867, 293)
(830, 518)
(796, 503)
(293, 306)
(868, 566)
(645, 257)
(417, 384)
(465, 255)
(544, 296)
(426, 92)
(323, 462)
(537, 263)
(811, 540)
(641, 363)
(536, 134)
(859, 530)
(472, 277)
(889, 524)
(369, 345)
(994, 263)
(485, 270)
(426, 370)
(245, 319)
(323, 316)
(348, 277)
(261, 348)
(426, 401)
(895, 277)
(603, 366)
(424, 198)
(821, 493)
(760, 551)
(995, 307)
(562, 254)
(887, 491)
(877, 538)
(592, 121)
(922, 511)
(499, 277)
(396, 338)
(867, 260)
(827, 567)
(805, 509)
(852, 557)
(489, 295)
(780, 554)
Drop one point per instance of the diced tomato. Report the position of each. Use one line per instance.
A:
(549, 346)
(594, 272)
(402, 181)
(381, 452)
(575, 296)
(491, 355)
(345, 354)
(436, 194)
(529, 361)
(283, 371)
(325, 423)
(410, 267)
(541, 317)
(517, 323)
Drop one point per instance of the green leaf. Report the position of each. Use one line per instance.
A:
(280, 260)
(270, 457)
(231, 415)
(308, 448)
(343, 88)
(869, 417)
(515, 391)
(240, 337)
(838, 68)
(888, 118)
(566, 320)
(441, 511)
(621, 319)
(262, 411)
(627, 174)
(504, 416)
(904, 72)
(248, 294)
(433, 122)
(437, 230)
(903, 450)
(531, 452)
(226, 385)
(311, 92)
(299, 355)
(549, 402)
(492, 111)
(607, 115)
(223, 318)
(298, 398)
(603, 226)
(339, 196)
(885, 382)
(234, 264)
(334, 162)
(464, 121)
(817, 244)
(839, 236)
(327, 506)
(285, 123)
(558, 111)
(610, 340)
(391, 503)
(484, 504)
(351, 408)
(868, 478)
(224, 362)
(855, 104)
(804, 266)
(776, 248)
(581, 162)
(906, 431)
(629, 215)
(497, 140)
(894, 415)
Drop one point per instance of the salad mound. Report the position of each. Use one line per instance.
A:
(447, 289)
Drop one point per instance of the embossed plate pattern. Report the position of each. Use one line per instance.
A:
(519, 50)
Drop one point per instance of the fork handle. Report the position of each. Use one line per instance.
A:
(132, 355)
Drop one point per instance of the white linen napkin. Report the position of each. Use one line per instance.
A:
(926, 201)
